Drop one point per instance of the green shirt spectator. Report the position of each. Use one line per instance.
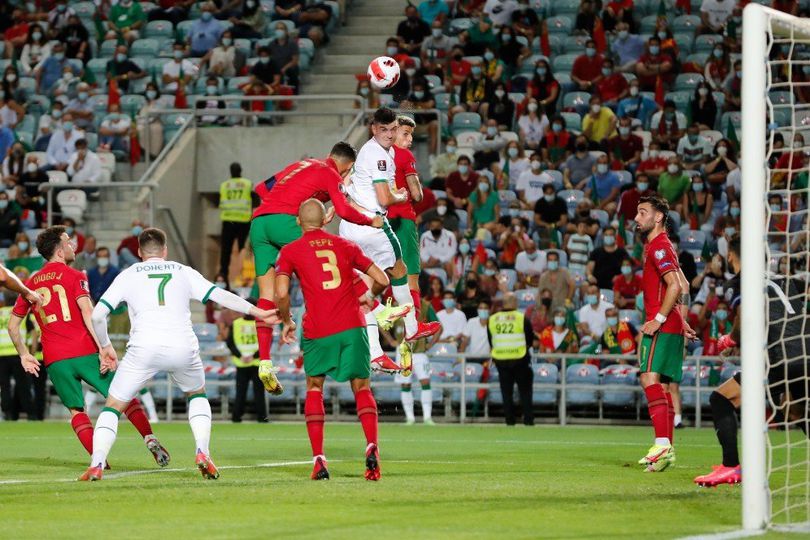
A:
(125, 19)
(672, 187)
(483, 205)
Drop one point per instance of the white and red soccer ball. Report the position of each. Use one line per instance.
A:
(383, 72)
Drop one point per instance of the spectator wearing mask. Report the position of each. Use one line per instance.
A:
(511, 51)
(587, 69)
(284, 53)
(59, 16)
(532, 181)
(558, 280)
(459, 68)
(453, 320)
(512, 239)
(701, 203)
(474, 337)
(579, 248)
(626, 148)
(14, 164)
(637, 107)
(115, 129)
(693, 149)
(102, 275)
(206, 31)
(412, 31)
(265, 70)
(557, 143)
(81, 108)
(70, 228)
(532, 125)
(16, 30)
(512, 165)
(494, 68)
(178, 68)
(21, 248)
(587, 18)
(483, 208)
(84, 164)
(668, 126)
(437, 247)
(222, 59)
(125, 20)
(603, 186)
(211, 102)
(579, 165)
(36, 49)
(475, 90)
(76, 39)
(599, 124)
(128, 248)
(9, 220)
(444, 164)
(732, 88)
(461, 183)
(613, 86)
(33, 176)
(122, 70)
(63, 144)
(543, 86)
(626, 48)
(717, 68)
(626, 286)
(703, 107)
(673, 185)
(500, 108)
(550, 214)
(445, 214)
(437, 46)
(719, 166)
(48, 72)
(653, 64)
(462, 262)
(154, 139)
(592, 316)
(605, 262)
(557, 337)
(539, 313)
(619, 336)
(529, 264)
(653, 164)
(628, 204)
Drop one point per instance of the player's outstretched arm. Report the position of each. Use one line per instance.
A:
(282, 295)
(386, 197)
(98, 329)
(29, 362)
(11, 282)
(231, 301)
(348, 212)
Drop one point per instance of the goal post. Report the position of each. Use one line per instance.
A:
(776, 483)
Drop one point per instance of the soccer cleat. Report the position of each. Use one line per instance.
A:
(160, 454)
(267, 374)
(206, 466)
(720, 475)
(92, 474)
(391, 314)
(657, 452)
(320, 472)
(405, 358)
(372, 462)
(385, 365)
(429, 422)
(424, 330)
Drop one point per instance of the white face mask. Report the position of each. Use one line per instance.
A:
(653, 154)
(535, 165)
(595, 108)
(31, 167)
(441, 210)
(672, 168)
(797, 144)
(722, 151)
(601, 168)
(634, 90)
(532, 107)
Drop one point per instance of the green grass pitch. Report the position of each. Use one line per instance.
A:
(438, 482)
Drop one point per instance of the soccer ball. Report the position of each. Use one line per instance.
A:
(383, 72)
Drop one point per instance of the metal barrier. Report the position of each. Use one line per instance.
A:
(146, 196)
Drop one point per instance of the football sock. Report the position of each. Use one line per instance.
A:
(724, 417)
(670, 417)
(402, 295)
(657, 407)
(264, 332)
(427, 401)
(315, 414)
(89, 401)
(678, 419)
(149, 403)
(199, 418)
(406, 396)
(137, 416)
(377, 307)
(417, 302)
(104, 436)
(367, 413)
(373, 336)
(84, 430)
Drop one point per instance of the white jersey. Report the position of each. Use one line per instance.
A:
(374, 164)
(158, 293)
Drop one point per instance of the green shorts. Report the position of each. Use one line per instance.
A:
(268, 234)
(405, 229)
(67, 376)
(663, 354)
(342, 356)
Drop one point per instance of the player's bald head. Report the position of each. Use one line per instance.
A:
(311, 213)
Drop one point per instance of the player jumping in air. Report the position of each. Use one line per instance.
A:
(69, 344)
(666, 299)
(373, 189)
(335, 340)
(274, 226)
(157, 293)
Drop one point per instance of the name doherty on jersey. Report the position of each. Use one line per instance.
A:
(157, 266)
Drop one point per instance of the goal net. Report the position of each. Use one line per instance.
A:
(775, 159)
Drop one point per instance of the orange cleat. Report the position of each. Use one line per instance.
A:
(92, 474)
(207, 468)
(320, 472)
(385, 365)
(424, 330)
(720, 475)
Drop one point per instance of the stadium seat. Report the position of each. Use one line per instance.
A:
(630, 316)
(582, 374)
(73, 203)
(159, 29)
(619, 375)
(692, 239)
(682, 98)
(459, 25)
(706, 42)
(434, 82)
(183, 28)
(442, 100)
(572, 197)
(560, 24)
(511, 277)
(57, 177)
(685, 23)
(463, 219)
(108, 48)
(84, 10)
(606, 295)
(545, 374)
(625, 177)
(566, 7)
(526, 297)
(563, 63)
(506, 196)
(468, 139)
(206, 332)
(601, 216)
(573, 121)
(472, 372)
(465, 121)
(575, 44)
(688, 81)
(728, 371)
(685, 42)
(563, 256)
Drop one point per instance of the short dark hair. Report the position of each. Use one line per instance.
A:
(264, 49)
(658, 203)
(81, 143)
(463, 157)
(236, 169)
(69, 220)
(49, 239)
(734, 246)
(550, 253)
(384, 116)
(344, 150)
(152, 239)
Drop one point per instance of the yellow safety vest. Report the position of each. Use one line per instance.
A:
(234, 200)
(246, 340)
(508, 338)
(6, 345)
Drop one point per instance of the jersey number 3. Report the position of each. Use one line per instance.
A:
(164, 279)
(330, 266)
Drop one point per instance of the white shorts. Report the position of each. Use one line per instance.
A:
(379, 245)
(140, 364)
(421, 370)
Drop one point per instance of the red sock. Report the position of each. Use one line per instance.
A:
(670, 417)
(135, 413)
(264, 332)
(84, 430)
(314, 413)
(417, 302)
(657, 405)
(367, 413)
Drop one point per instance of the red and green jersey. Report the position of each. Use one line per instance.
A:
(64, 334)
(405, 165)
(659, 260)
(325, 265)
(284, 192)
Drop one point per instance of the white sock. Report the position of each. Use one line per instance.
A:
(379, 308)
(427, 403)
(149, 403)
(103, 437)
(89, 401)
(402, 294)
(407, 404)
(199, 418)
(662, 441)
(373, 336)
(678, 419)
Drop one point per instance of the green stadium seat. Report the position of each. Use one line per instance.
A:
(576, 99)
(682, 98)
(465, 121)
(560, 24)
(183, 27)
(573, 121)
(686, 23)
(706, 42)
(145, 47)
(688, 81)
(85, 10)
(132, 103)
(564, 63)
(108, 48)
(99, 67)
(159, 29)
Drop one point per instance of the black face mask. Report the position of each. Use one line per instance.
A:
(472, 284)
(436, 233)
(457, 56)
(546, 302)
(581, 147)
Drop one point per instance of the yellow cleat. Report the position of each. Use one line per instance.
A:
(391, 314)
(267, 374)
(405, 358)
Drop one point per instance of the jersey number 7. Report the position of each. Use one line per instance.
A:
(164, 279)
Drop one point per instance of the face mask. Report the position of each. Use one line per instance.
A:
(776, 208)
(612, 321)
(654, 50)
(627, 270)
(739, 74)
(722, 151)
(734, 211)
(418, 94)
(22, 245)
(37, 36)
(514, 212)
(410, 72)
(11, 77)
(703, 91)
(549, 197)
(662, 35)
(489, 56)
(281, 34)
(556, 128)
(672, 169)
(59, 55)
(595, 108)
(211, 90)
(532, 107)
(476, 71)
(436, 33)
(624, 130)
(499, 94)
(31, 167)
(797, 144)
(653, 153)
(513, 152)
(609, 240)
(602, 168)
(436, 233)
(718, 53)
(103, 262)
(642, 186)
(151, 94)
(532, 256)
(553, 265)
(483, 186)
(730, 231)
(136, 230)
(590, 52)
(219, 284)
(264, 59)
(535, 165)
(581, 147)
(546, 302)
(541, 71)
(206, 16)
(451, 149)
(492, 131)
(67, 125)
(634, 91)
(227, 41)
(364, 91)
(489, 272)
(692, 139)
(697, 188)
(178, 55)
(463, 169)
(559, 321)
(506, 38)
(471, 283)
(591, 299)
(623, 34)
(483, 314)
(83, 96)
(722, 314)
(464, 248)
(606, 72)
(3, 205)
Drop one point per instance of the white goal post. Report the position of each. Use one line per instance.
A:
(764, 28)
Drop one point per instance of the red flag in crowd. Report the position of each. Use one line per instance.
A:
(134, 143)
(659, 91)
(545, 46)
(113, 95)
(599, 37)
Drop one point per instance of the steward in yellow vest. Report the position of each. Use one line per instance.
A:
(19, 400)
(244, 347)
(235, 210)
